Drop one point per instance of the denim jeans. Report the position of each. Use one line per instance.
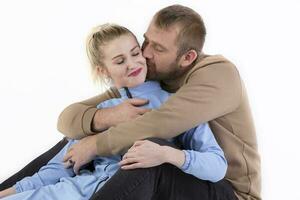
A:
(164, 182)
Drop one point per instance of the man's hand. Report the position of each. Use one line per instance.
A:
(127, 110)
(81, 153)
(143, 154)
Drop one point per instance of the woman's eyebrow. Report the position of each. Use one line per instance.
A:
(134, 48)
(117, 56)
(120, 55)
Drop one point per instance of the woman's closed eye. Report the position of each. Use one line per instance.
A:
(120, 61)
(136, 53)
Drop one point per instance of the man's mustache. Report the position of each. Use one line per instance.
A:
(149, 63)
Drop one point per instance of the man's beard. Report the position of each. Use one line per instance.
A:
(152, 73)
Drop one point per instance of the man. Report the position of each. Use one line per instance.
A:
(208, 88)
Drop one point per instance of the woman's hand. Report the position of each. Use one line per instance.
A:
(81, 153)
(145, 154)
(7, 192)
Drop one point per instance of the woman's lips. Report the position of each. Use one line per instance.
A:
(136, 72)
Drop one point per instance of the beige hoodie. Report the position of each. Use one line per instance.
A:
(212, 91)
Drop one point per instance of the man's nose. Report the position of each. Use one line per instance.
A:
(147, 52)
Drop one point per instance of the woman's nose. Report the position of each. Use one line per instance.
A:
(130, 64)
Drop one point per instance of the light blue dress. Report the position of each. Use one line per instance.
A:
(203, 158)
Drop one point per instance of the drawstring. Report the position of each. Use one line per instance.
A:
(128, 93)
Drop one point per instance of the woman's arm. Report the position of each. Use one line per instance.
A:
(204, 158)
(7, 192)
(48, 174)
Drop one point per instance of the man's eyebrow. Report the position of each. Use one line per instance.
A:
(155, 43)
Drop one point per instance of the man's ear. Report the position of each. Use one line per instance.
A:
(188, 58)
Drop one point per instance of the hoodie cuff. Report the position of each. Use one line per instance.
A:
(87, 120)
(18, 187)
(187, 161)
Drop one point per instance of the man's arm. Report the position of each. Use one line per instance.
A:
(82, 119)
(76, 120)
(209, 93)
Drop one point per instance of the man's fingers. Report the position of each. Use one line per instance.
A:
(142, 111)
(128, 161)
(139, 143)
(131, 154)
(138, 102)
(131, 150)
(132, 166)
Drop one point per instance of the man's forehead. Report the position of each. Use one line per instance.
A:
(159, 35)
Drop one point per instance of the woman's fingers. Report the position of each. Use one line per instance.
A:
(67, 160)
(67, 157)
(69, 163)
(76, 167)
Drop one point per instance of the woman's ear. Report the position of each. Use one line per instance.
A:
(102, 71)
(188, 58)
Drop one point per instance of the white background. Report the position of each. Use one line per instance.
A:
(43, 68)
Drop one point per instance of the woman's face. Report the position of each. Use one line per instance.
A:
(124, 62)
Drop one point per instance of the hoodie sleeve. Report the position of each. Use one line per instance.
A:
(204, 158)
(48, 174)
(76, 119)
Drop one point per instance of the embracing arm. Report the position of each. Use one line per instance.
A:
(83, 119)
(208, 93)
(77, 120)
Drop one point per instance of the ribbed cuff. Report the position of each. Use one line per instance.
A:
(187, 161)
(87, 120)
(18, 187)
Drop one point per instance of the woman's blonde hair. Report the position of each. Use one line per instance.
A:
(98, 37)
